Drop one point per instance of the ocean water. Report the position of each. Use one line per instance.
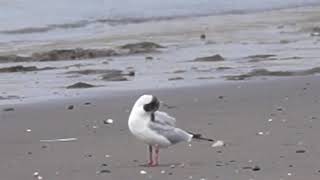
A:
(22, 20)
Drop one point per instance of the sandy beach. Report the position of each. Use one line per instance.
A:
(270, 129)
(248, 79)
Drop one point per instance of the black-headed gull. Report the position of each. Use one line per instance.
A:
(156, 128)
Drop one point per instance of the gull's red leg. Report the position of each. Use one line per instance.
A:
(157, 156)
(150, 156)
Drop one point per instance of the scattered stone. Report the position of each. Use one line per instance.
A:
(223, 68)
(213, 58)
(221, 97)
(29, 153)
(93, 71)
(104, 171)
(202, 36)
(218, 143)
(115, 75)
(256, 168)
(264, 72)
(315, 31)
(44, 146)
(108, 121)
(172, 166)
(162, 171)
(261, 57)
(72, 54)
(80, 85)
(87, 103)
(300, 151)
(104, 165)
(8, 109)
(141, 47)
(143, 172)
(204, 78)
(14, 58)
(170, 173)
(175, 78)
(284, 41)
(28, 130)
(179, 71)
(149, 58)
(70, 107)
(23, 69)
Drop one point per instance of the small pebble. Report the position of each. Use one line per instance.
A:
(36, 173)
(256, 168)
(107, 156)
(163, 172)
(218, 143)
(289, 174)
(40, 177)
(300, 151)
(8, 109)
(260, 133)
(143, 172)
(270, 120)
(28, 130)
(108, 121)
(104, 171)
(172, 166)
(170, 173)
(70, 107)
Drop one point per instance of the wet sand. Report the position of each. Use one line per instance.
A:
(270, 128)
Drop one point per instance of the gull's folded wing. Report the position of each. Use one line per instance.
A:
(164, 118)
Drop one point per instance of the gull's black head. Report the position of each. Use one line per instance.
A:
(153, 104)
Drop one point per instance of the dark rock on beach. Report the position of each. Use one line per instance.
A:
(265, 72)
(80, 85)
(141, 47)
(23, 69)
(14, 58)
(261, 57)
(72, 54)
(213, 58)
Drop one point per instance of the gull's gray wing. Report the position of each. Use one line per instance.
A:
(164, 118)
(173, 134)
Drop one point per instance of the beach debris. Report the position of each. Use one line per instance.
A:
(103, 171)
(218, 143)
(202, 36)
(36, 173)
(260, 133)
(141, 47)
(223, 68)
(256, 168)
(162, 171)
(175, 78)
(214, 58)
(14, 58)
(72, 54)
(149, 58)
(178, 71)
(300, 151)
(28, 130)
(143, 172)
(315, 31)
(70, 107)
(108, 121)
(172, 166)
(116, 75)
(80, 85)
(59, 140)
(20, 68)
(107, 156)
(289, 174)
(261, 57)
(270, 120)
(8, 109)
(264, 72)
